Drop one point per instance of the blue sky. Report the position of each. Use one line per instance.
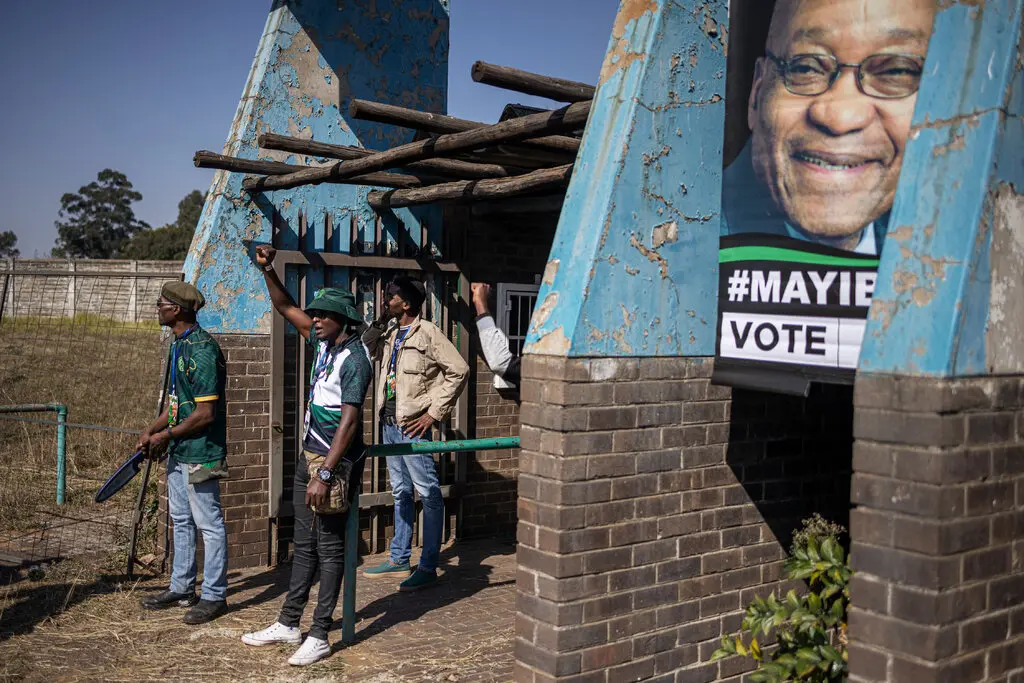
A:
(139, 86)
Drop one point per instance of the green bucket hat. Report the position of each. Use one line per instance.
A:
(335, 300)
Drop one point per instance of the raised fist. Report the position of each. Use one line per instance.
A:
(265, 255)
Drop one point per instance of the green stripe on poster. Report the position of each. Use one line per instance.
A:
(733, 254)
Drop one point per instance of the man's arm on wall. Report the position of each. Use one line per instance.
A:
(494, 345)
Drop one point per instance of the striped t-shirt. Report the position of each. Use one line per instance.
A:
(340, 375)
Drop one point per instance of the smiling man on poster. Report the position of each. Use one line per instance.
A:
(829, 113)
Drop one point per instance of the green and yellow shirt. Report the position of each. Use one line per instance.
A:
(198, 374)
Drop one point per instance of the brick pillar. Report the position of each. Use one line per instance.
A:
(244, 495)
(653, 506)
(938, 532)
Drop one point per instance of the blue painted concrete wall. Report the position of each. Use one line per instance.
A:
(313, 58)
(633, 270)
(949, 296)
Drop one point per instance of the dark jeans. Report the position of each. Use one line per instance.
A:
(319, 544)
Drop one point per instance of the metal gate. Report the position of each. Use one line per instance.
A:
(366, 275)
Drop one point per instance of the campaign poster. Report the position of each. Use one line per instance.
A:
(820, 96)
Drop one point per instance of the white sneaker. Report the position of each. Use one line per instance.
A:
(312, 650)
(275, 633)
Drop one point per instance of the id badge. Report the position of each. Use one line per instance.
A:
(172, 410)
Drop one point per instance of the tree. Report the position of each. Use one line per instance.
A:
(8, 245)
(171, 242)
(98, 220)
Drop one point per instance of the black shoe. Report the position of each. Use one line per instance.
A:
(204, 611)
(169, 599)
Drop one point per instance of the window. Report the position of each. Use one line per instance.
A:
(515, 306)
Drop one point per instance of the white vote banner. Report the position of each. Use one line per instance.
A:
(803, 340)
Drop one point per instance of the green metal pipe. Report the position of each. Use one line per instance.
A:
(494, 443)
(62, 428)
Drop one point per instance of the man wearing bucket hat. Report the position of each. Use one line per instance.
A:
(330, 462)
(193, 431)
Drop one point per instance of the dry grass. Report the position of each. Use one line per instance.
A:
(76, 626)
(95, 629)
(107, 373)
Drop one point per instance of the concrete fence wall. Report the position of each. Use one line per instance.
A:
(117, 289)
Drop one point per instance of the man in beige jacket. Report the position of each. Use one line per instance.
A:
(420, 376)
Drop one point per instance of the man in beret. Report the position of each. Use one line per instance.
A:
(420, 377)
(330, 459)
(192, 430)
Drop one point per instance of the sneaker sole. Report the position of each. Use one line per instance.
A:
(388, 575)
(308, 662)
(263, 643)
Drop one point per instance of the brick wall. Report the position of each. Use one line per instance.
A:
(101, 287)
(938, 532)
(244, 495)
(653, 506)
(489, 497)
(498, 248)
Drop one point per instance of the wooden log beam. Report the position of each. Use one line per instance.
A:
(544, 179)
(378, 112)
(205, 159)
(509, 78)
(450, 168)
(512, 130)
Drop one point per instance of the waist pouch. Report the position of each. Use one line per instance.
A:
(337, 492)
(198, 472)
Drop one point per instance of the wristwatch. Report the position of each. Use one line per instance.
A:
(269, 267)
(324, 475)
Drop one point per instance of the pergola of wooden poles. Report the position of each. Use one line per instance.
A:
(459, 160)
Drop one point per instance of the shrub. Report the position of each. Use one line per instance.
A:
(809, 629)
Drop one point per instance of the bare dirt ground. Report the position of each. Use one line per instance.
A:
(76, 626)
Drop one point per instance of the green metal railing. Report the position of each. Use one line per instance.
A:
(348, 599)
(62, 429)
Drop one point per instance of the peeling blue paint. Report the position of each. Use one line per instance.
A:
(313, 58)
(932, 305)
(633, 268)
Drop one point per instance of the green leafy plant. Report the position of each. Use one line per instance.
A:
(809, 629)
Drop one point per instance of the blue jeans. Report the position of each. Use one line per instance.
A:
(193, 506)
(405, 473)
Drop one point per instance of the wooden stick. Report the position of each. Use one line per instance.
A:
(453, 168)
(439, 123)
(442, 146)
(205, 159)
(509, 78)
(544, 179)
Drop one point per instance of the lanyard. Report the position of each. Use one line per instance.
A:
(320, 369)
(174, 356)
(399, 339)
